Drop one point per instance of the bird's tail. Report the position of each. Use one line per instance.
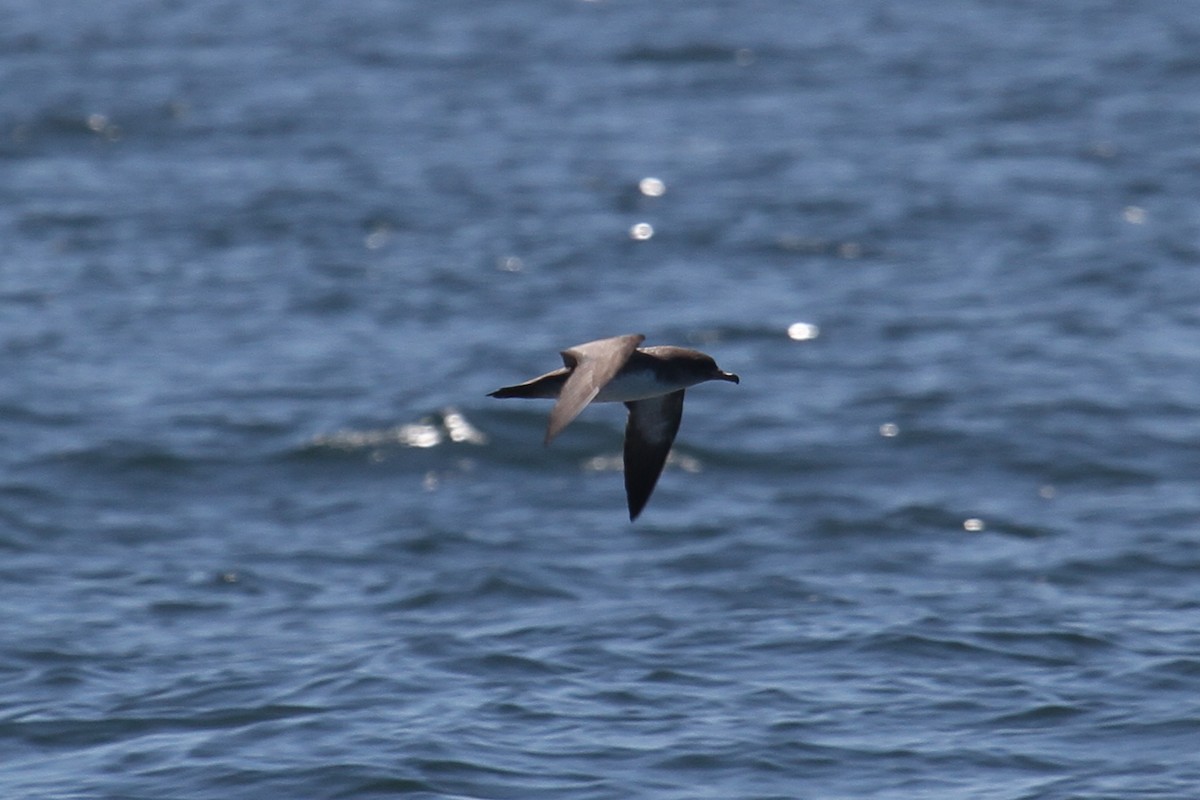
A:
(544, 387)
(520, 390)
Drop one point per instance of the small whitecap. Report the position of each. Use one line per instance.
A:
(685, 463)
(1134, 215)
(652, 187)
(459, 429)
(889, 430)
(419, 435)
(802, 331)
(608, 463)
(101, 124)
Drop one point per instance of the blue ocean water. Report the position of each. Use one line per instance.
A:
(263, 535)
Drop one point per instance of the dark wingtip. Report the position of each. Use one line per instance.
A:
(637, 504)
(636, 499)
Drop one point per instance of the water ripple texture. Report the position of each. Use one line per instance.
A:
(264, 535)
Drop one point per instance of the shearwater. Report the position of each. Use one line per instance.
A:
(650, 381)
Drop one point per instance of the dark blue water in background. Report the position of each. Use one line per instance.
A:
(262, 535)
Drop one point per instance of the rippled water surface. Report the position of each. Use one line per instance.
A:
(263, 535)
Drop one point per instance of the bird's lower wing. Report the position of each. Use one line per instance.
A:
(649, 434)
(592, 366)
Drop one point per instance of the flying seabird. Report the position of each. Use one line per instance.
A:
(650, 381)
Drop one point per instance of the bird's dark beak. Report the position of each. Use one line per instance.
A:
(727, 376)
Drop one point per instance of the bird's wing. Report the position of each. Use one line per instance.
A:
(592, 365)
(653, 423)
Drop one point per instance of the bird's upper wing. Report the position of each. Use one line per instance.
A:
(653, 423)
(592, 365)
